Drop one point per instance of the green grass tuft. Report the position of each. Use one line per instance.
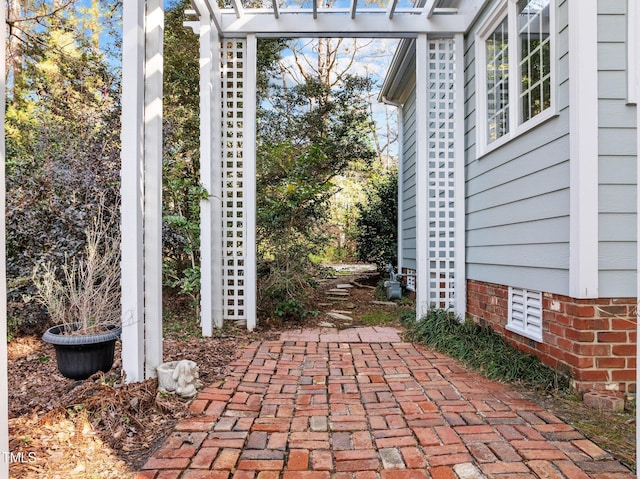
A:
(378, 318)
(482, 349)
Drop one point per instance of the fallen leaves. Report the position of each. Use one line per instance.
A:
(100, 427)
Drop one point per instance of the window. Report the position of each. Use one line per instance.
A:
(512, 100)
(497, 51)
(525, 313)
(535, 57)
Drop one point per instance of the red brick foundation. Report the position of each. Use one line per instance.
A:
(594, 340)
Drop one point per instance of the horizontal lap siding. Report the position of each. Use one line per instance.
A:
(408, 166)
(617, 157)
(517, 196)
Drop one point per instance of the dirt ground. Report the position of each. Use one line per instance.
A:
(60, 428)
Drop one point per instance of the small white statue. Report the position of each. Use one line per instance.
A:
(180, 377)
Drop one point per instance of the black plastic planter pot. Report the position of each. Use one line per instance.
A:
(80, 356)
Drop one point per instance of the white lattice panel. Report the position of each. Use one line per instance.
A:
(442, 76)
(233, 206)
(411, 279)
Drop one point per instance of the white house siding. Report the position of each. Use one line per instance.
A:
(408, 166)
(617, 161)
(518, 194)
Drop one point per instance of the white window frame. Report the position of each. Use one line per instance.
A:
(530, 324)
(493, 19)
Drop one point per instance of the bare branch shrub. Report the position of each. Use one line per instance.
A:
(85, 297)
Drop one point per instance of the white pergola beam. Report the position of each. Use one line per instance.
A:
(428, 8)
(392, 8)
(237, 7)
(4, 380)
(446, 11)
(132, 189)
(207, 8)
(338, 24)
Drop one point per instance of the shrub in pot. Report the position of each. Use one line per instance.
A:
(83, 301)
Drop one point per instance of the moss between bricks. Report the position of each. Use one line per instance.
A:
(482, 349)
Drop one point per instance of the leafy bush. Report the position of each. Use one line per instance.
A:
(181, 189)
(377, 225)
(483, 349)
(63, 152)
(311, 134)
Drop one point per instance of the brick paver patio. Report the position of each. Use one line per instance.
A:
(362, 404)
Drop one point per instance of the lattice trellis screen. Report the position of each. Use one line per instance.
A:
(441, 68)
(233, 204)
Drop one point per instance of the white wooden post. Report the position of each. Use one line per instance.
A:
(211, 177)
(249, 179)
(422, 178)
(4, 395)
(459, 193)
(583, 148)
(132, 189)
(154, 39)
(141, 188)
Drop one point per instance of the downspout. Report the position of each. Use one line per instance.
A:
(399, 106)
(460, 287)
(633, 13)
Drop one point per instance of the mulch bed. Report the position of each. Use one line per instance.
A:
(101, 427)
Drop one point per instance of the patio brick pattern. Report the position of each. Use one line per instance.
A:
(363, 404)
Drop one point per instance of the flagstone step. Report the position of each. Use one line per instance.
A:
(337, 292)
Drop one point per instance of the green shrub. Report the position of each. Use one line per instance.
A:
(483, 349)
(377, 224)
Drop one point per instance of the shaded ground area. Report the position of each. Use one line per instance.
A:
(79, 429)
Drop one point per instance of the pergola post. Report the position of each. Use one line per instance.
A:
(422, 178)
(249, 178)
(211, 177)
(132, 189)
(154, 32)
(141, 188)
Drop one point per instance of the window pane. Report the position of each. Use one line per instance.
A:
(535, 57)
(497, 54)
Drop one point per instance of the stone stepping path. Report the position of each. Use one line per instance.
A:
(362, 404)
(340, 293)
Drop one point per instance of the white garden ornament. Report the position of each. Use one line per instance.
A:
(179, 377)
